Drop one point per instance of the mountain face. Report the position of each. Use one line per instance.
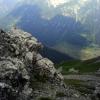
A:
(68, 26)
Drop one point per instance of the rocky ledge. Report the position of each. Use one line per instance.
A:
(25, 74)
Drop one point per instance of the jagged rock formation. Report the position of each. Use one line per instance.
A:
(25, 74)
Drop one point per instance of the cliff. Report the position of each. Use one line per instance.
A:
(25, 74)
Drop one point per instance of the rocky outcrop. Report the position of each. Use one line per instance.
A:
(25, 74)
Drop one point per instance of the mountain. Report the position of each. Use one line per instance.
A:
(68, 26)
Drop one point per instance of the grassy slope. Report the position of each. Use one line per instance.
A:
(83, 66)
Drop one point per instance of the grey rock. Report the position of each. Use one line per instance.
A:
(24, 73)
(19, 57)
(96, 94)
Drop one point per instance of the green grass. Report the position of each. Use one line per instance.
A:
(83, 67)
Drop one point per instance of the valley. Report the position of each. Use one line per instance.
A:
(70, 27)
(77, 52)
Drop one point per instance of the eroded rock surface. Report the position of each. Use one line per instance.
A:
(25, 74)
